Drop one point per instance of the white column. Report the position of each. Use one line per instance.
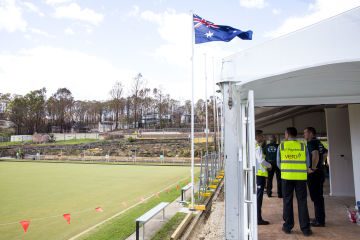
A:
(354, 119)
(233, 178)
(340, 156)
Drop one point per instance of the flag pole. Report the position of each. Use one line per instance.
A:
(214, 105)
(192, 110)
(207, 126)
(214, 112)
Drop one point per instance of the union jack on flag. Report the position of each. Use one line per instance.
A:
(206, 31)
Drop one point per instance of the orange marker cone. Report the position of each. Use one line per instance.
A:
(25, 225)
(123, 203)
(168, 191)
(142, 199)
(156, 195)
(177, 187)
(67, 217)
(99, 209)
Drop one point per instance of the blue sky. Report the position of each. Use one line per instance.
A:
(88, 45)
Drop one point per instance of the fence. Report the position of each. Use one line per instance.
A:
(210, 167)
(59, 136)
(4, 139)
(21, 138)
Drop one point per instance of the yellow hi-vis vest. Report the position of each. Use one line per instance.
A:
(293, 160)
(261, 170)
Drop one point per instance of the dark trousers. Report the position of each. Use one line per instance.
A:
(260, 184)
(288, 187)
(316, 184)
(277, 171)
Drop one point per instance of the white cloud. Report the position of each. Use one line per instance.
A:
(11, 18)
(33, 8)
(134, 12)
(28, 37)
(176, 51)
(87, 76)
(276, 11)
(40, 32)
(253, 3)
(74, 11)
(319, 11)
(55, 2)
(69, 31)
(177, 35)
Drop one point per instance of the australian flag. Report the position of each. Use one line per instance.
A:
(206, 31)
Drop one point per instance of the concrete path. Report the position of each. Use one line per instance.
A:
(156, 223)
(338, 226)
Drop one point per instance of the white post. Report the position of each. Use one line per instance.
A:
(214, 103)
(207, 127)
(218, 137)
(222, 132)
(192, 110)
(252, 211)
(233, 169)
(143, 231)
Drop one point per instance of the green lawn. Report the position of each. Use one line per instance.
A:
(60, 142)
(170, 227)
(31, 191)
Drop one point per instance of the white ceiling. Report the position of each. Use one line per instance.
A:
(319, 64)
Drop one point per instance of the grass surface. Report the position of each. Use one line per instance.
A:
(61, 142)
(170, 227)
(32, 191)
(14, 143)
(123, 226)
(74, 141)
(142, 163)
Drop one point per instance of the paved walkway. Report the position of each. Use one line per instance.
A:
(337, 224)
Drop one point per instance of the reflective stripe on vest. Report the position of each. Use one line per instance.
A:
(293, 160)
(261, 170)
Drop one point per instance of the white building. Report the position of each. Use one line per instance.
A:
(310, 77)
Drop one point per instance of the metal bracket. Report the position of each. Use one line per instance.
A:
(230, 102)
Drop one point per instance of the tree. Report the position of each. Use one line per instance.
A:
(159, 96)
(137, 85)
(59, 107)
(200, 110)
(17, 112)
(35, 101)
(81, 110)
(187, 106)
(128, 111)
(116, 102)
(5, 99)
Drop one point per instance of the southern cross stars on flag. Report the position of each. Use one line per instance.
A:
(206, 31)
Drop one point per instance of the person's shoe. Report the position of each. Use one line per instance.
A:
(317, 224)
(285, 230)
(269, 195)
(307, 233)
(280, 196)
(263, 222)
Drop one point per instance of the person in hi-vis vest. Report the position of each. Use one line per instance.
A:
(293, 161)
(261, 174)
